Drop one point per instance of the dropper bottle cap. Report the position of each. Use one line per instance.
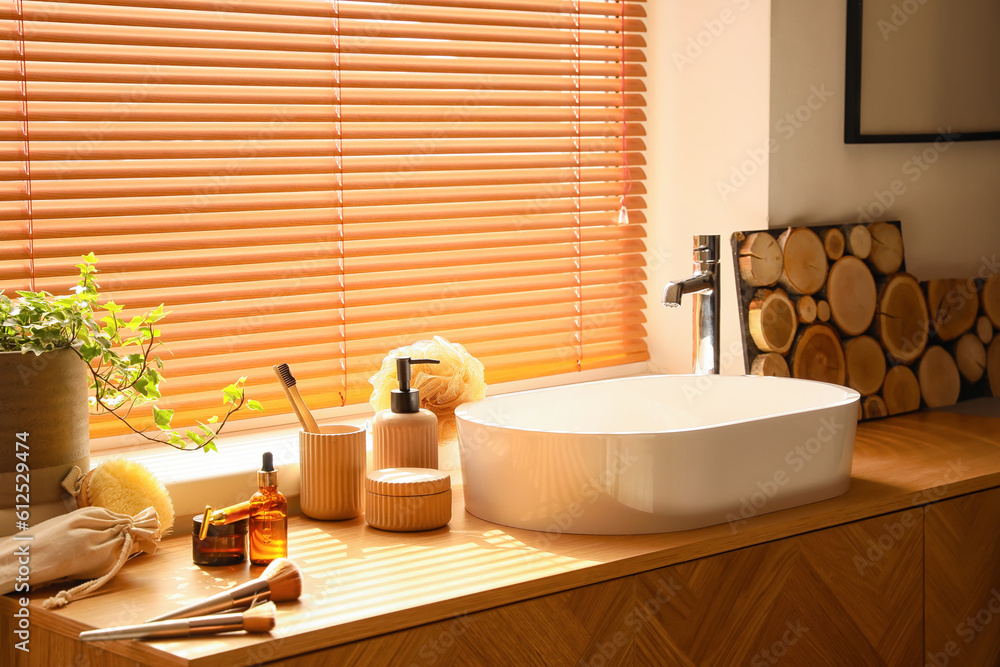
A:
(267, 476)
(405, 399)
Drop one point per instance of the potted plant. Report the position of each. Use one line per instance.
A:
(65, 357)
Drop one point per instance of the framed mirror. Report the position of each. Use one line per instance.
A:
(922, 70)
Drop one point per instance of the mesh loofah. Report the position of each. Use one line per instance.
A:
(459, 378)
(126, 487)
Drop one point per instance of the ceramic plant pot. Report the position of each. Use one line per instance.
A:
(44, 424)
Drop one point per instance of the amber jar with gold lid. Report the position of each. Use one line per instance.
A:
(222, 544)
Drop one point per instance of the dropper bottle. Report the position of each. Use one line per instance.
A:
(405, 435)
(268, 517)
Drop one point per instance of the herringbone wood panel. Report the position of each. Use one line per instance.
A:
(850, 595)
(585, 626)
(962, 584)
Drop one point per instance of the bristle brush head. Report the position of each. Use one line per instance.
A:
(127, 487)
(284, 374)
(260, 618)
(284, 579)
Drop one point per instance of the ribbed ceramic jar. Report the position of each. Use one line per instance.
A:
(332, 472)
(44, 432)
(407, 499)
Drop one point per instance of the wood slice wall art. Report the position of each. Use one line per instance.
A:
(835, 303)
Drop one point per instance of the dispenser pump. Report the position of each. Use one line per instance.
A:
(404, 399)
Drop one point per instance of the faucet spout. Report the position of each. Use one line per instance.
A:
(704, 285)
(699, 282)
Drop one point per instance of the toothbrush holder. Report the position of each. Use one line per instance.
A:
(332, 470)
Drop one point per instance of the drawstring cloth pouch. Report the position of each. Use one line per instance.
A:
(90, 543)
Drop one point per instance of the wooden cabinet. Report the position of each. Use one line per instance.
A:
(962, 582)
(849, 595)
(918, 587)
(571, 628)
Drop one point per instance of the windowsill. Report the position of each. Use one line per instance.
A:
(226, 477)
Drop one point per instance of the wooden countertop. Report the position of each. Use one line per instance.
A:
(361, 582)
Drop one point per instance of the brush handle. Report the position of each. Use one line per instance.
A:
(305, 417)
(244, 595)
(181, 627)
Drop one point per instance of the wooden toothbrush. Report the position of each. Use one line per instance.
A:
(284, 374)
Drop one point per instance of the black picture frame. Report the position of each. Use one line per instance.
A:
(853, 133)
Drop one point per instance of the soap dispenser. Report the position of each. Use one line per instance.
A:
(405, 436)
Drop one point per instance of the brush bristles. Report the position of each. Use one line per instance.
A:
(260, 618)
(284, 578)
(284, 374)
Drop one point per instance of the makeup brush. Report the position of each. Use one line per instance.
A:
(256, 619)
(280, 581)
(284, 374)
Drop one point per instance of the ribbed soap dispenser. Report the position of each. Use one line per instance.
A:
(405, 436)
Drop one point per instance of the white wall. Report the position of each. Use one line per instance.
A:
(947, 197)
(731, 80)
(708, 67)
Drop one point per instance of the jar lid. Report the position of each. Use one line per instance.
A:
(407, 482)
(220, 529)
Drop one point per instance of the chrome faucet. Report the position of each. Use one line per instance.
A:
(704, 284)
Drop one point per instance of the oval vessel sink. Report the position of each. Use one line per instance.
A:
(655, 454)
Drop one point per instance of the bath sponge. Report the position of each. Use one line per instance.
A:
(126, 487)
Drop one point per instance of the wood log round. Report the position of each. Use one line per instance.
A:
(804, 261)
(970, 356)
(865, 363)
(772, 321)
(823, 311)
(887, 247)
(874, 407)
(953, 304)
(805, 308)
(859, 241)
(991, 299)
(770, 364)
(937, 373)
(760, 260)
(993, 366)
(901, 391)
(851, 293)
(984, 329)
(901, 323)
(833, 243)
(818, 355)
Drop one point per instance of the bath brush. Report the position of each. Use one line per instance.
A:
(126, 487)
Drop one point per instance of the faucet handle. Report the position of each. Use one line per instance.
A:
(706, 248)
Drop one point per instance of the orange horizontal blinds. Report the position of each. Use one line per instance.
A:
(317, 182)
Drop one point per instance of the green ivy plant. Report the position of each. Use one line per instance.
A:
(125, 372)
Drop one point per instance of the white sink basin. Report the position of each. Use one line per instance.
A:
(655, 454)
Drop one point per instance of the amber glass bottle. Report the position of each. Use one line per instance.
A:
(268, 517)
